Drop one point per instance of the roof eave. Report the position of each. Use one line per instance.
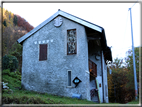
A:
(20, 40)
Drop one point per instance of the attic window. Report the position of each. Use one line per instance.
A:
(71, 42)
(42, 52)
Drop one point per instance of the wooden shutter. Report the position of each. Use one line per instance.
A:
(92, 68)
(43, 52)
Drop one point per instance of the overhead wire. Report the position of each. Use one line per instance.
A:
(125, 29)
(124, 37)
(116, 49)
(134, 4)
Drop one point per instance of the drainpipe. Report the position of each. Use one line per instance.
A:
(102, 66)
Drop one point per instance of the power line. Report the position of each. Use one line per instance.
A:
(121, 48)
(125, 29)
(134, 4)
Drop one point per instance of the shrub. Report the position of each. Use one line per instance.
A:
(18, 75)
(6, 72)
(9, 62)
(15, 74)
(8, 91)
(22, 100)
(12, 74)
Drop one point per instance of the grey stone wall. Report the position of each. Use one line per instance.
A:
(50, 76)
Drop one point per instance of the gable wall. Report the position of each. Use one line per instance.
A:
(50, 76)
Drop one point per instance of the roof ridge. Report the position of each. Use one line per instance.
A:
(80, 18)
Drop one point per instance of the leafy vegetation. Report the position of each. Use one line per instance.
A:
(14, 27)
(121, 81)
(9, 61)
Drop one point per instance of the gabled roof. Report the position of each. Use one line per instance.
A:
(83, 22)
(66, 15)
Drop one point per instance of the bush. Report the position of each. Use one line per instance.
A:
(15, 74)
(12, 74)
(18, 75)
(22, 100)
(9, 62)
(8, 91)
(6, 72)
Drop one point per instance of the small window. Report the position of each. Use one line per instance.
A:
(42, 52)
(69, 78)
(71, 42)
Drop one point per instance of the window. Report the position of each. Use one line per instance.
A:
(42, 52)
(71, 42)
(92, 68)
(69, 78)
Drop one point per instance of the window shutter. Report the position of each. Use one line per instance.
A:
(43, 52)
(93, 68)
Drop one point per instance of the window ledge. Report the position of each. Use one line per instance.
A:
(69, 87)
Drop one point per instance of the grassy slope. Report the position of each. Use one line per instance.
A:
(30, 97)
(25, 96)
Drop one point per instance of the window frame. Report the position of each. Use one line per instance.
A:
(40, 53)
(68, 78)
(75, 44)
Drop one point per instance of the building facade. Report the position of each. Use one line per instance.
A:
(65, 55)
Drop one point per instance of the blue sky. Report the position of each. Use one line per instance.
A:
(113, 17)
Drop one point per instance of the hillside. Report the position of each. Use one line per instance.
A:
(16, 95)
(13, 27)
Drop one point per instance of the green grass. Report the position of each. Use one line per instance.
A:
(134, 102)
(25, 97)
(30, 97)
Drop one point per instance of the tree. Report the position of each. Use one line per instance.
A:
(14, 27)
(15, 20)
(17, 52)
(129, 62)
(4, 23)
(10, 36)
(121, 81)
(9, 62)
(117, 81)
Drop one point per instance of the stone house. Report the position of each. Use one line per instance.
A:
(66, 55)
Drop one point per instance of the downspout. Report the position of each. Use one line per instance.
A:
(102, 74)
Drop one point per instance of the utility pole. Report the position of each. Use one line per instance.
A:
(134, 66)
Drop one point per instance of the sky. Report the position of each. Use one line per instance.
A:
(113, 17)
